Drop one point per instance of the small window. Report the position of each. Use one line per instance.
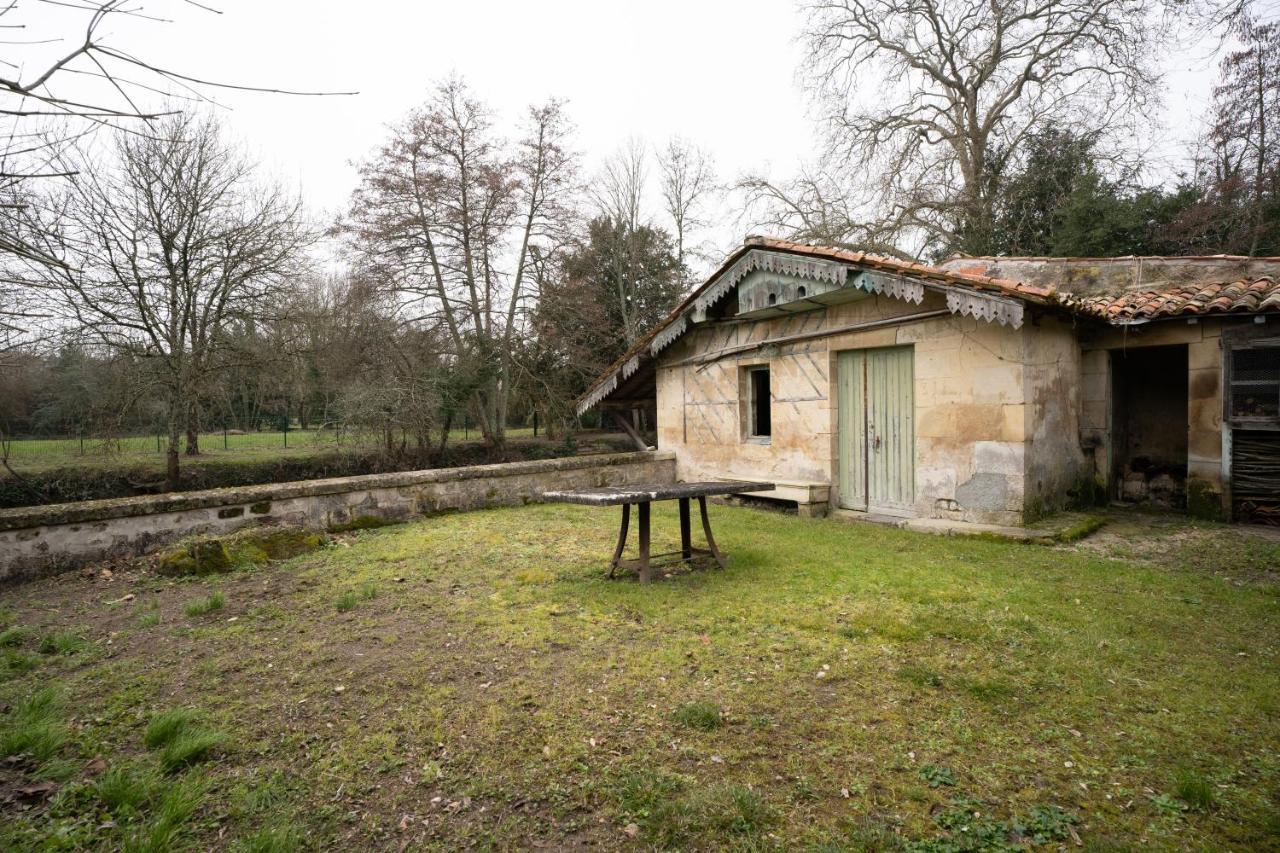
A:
(801, 292)
(1255, 383)
(759, 403)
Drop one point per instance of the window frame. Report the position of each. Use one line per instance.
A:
(751, 404)
(1232, 349)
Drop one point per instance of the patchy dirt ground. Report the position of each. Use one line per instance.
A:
(473, 680)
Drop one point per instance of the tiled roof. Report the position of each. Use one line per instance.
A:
(887, 264)
(1240, 296)
(1251, 294)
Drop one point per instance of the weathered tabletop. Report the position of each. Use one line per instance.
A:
(642, 495)
(646, 492)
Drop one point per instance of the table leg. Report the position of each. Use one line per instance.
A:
(645, 576)
(622, 539)
(706, 531)
(686, 539)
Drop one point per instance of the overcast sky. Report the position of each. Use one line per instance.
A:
(719, 72)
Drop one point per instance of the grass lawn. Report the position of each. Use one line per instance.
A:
(474, 680)
(37, 454)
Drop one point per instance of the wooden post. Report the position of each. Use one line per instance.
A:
(686, 538)
(706, 531)
(645, 575)
(622, 539)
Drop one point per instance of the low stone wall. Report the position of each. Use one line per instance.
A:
(42, 539)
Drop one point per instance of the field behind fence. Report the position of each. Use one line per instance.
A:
(34, 453)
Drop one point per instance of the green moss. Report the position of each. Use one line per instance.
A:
(1204, 501)
(200, 557)
(1081, 529)
(361, 522)
(264, 544)
(252, 547)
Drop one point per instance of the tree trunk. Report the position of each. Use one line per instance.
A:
(193, 430)
(172, 480)
(444, 434)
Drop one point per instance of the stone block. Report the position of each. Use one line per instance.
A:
(1002, 384)
(1014, 423)
(1204, 354)
(1205, 384)
(984, 492)
(1095, 414)
(1093, 387)
(998, 457)
(936, 422)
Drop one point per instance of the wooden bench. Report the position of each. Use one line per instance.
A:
(812, 500)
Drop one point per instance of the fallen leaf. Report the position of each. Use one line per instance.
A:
(631, 829)
(37, 791)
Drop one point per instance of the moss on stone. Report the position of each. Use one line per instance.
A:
(259, 545)
(199, 557)
(1204, 501)
(361, 522)
(253, 547)
(1080, 529)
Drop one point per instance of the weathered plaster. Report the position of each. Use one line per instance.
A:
(995, 407)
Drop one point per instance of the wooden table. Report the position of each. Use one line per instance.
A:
(641, 496)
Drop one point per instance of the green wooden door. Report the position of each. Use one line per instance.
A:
(877, 431)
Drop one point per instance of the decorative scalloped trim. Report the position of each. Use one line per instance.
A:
(758, 259)
(604, 389)
(892, 285)
(669, 335)
(980, 306)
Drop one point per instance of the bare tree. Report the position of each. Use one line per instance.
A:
(921, 97)
(456, 219)
(818, 205)
(164, 246)
(619, 187)
(1245, 137)
(687, 180)
(92, 85)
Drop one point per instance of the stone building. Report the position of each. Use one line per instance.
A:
(986, 390)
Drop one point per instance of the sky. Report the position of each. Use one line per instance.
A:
(720, 73)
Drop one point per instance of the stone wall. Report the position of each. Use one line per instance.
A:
(1057, 468)
(36, 540)
(977, 407)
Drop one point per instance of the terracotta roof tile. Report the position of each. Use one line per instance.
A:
(1239, 296)
(1229, 297)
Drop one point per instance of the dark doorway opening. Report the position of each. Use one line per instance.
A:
(1149, 424)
